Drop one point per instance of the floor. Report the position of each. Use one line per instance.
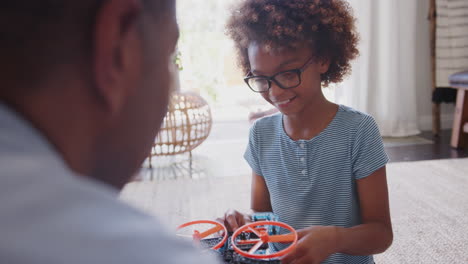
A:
(221, 154)
(428, 201)
(438, 148)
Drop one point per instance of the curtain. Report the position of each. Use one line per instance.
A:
(383, 81)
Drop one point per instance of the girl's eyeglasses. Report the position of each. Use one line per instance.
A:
(284, 79)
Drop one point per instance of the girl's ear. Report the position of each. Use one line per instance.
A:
(324, 65)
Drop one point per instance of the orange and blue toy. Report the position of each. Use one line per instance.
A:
(252, 243)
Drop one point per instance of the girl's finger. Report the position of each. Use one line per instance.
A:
(231, 223)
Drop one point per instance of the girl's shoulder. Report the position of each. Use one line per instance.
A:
(353, 113)
(267, 129)
(268, 122)
(352, 118)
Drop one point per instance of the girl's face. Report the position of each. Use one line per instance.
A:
(268, 62)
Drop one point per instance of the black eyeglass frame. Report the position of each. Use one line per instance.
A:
(272, 78)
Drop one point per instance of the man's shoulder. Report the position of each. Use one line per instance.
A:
(51, 196)
(69, 219)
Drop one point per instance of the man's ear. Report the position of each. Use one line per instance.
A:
(117, 52)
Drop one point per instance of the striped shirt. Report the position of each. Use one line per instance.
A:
(313, 182)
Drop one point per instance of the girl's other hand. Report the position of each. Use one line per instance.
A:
(233, 219)
(315, 244)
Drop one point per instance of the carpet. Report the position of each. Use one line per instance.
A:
(429, 207)
(428, 199)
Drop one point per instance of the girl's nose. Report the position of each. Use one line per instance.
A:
(275, 91)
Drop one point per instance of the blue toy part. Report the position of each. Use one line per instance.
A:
(264, 216)
(267, 216)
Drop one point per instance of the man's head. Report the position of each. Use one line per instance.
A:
(92, 75)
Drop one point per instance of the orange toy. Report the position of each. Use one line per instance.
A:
(260, 229)
(197, 235)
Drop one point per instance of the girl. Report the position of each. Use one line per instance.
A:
(317, 165)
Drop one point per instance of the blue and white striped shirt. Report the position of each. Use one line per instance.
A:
(313, 182)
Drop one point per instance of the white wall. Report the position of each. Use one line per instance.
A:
(423, 77)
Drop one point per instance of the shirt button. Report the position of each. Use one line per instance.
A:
(302, 145)
(304, 172)
(302, 159)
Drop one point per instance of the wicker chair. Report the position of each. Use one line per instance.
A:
(187, 124)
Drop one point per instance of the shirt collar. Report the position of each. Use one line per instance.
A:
(17, 135)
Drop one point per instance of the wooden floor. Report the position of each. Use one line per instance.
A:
(439, 149)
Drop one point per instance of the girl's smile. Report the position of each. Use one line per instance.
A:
(295, 93)
(284, 103)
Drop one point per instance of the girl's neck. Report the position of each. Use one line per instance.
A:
(311, 121)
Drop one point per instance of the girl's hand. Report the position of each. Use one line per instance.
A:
(315, 244)
(233, 219)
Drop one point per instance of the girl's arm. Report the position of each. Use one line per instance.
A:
(375, 233)
(373, 236)
(260, 197)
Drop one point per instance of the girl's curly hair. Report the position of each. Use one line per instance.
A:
(327, 26)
